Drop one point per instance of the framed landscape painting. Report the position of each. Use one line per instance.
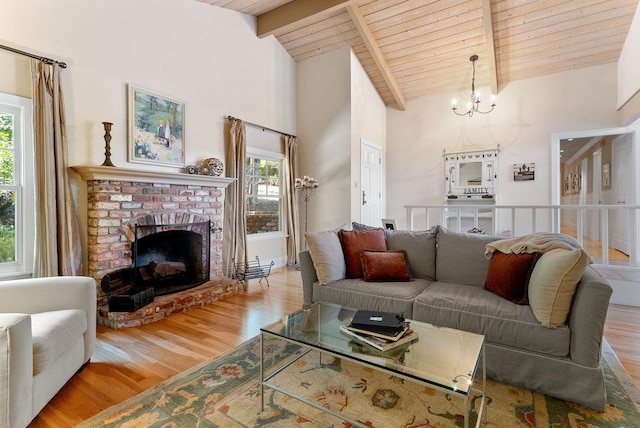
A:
(156, 128)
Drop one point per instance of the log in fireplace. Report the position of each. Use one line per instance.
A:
(166, 259)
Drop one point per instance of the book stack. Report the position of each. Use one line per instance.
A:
(382, 330)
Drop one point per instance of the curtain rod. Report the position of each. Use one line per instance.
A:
(260, 126)
(41, 58)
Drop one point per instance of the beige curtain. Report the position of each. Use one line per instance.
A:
(291, 197)
(58, 250)
(234, 242)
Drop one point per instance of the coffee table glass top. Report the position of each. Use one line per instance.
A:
(441, 356)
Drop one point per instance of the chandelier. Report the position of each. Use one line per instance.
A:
(473, 106)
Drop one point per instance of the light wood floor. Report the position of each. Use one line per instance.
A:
(129, 361)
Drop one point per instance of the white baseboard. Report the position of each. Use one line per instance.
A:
(625, 292)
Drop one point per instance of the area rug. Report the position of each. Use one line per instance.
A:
(224, 393)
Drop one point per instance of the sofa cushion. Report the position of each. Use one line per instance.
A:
(53, 333)
(372, 296)
(553, 283)
(360, 226)
(420, 248)
(509, 274)
(460, 257)
(354, 242)
(385, 266)
(474, 309)
(326, 255)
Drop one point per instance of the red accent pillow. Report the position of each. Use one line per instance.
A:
(354, 242)
(385, 266)
(509, 274)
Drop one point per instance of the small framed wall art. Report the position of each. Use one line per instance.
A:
(606, 175)
(156, 128)
(524, 171)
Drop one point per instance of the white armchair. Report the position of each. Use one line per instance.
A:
(47, 333)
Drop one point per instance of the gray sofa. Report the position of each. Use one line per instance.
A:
(449, 271)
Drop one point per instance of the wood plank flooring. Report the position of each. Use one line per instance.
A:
(129, 361)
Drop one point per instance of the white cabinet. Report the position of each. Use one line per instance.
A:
(471, 173)
(470, 190)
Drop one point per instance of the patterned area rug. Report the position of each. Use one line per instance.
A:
(224, 393)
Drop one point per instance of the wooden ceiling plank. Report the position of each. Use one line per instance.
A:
(550, 9)
(335, 40)
(591, 13)
(319, 35)
(545, 45)
(374, 50)
(428, 15)
(294, 12)
(332, 19)
(413, 46)
(567, 54)
(478, 40)
(428, 26)
(491, 49)
(546, 69)
(579, 30)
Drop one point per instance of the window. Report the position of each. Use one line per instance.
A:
(16, 187)
(264, 192)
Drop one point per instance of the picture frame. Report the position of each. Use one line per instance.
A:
(389, 224)
(156, 128)
(524, 172)
(606, 175)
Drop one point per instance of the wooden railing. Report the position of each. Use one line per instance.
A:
(608, 233)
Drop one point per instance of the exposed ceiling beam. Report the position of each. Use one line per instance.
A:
(491, 49)
(294, 12)
(376, 54)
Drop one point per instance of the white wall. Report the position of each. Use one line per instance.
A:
(324, 124)
(206, 56)
(527, 113)
(369, 122)
(337, 107)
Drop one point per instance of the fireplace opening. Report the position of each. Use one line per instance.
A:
(170, 258)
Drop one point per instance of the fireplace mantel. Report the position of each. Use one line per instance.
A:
(95, 172)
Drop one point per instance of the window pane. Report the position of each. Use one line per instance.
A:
(263, 208)
(7, 159)
(7, 226)
(263, 215)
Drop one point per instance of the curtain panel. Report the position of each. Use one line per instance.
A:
(58, 249)
(293, 219)
(234, 242)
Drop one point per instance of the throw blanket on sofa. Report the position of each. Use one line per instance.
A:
(533, 243)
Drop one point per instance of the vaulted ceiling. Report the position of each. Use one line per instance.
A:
(413, 48)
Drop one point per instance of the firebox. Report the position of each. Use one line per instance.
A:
(170, 258)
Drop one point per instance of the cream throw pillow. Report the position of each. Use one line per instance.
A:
(327, 256)
(553, 283)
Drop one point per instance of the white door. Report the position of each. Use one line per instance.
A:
(621, 180)
(370, 179)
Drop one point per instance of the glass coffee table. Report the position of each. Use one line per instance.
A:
(442, 358)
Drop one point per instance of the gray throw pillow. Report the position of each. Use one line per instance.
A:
(460, 257)
(420, 248)
(327, 256)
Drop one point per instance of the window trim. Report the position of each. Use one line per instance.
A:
(273, 156)
(22, 109)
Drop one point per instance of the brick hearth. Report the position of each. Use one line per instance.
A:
(118, 198)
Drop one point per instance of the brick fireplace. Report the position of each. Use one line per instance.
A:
(119, 198)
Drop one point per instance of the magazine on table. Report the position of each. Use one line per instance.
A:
(386, 336)
(379, 342)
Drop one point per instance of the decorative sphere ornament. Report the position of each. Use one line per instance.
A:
(212, 166)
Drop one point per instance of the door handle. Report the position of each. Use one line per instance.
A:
(364, 200)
